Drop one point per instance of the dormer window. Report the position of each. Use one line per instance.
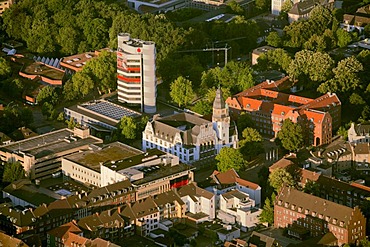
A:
(341, 223)
(299, 209)
(286, 205)
(320, 216)
(334, 221)
(314, 214)
(280, 202)
(307, 211)
(327, 218)
(293, 207)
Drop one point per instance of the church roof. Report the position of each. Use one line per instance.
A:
(219, 102)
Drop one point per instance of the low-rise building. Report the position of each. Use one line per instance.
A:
(200, 204)
(99, 115)
(301, 10)
(75, 63)
(11, 241)
(357, 21)
(143, 6)
(297, 211)
(192, 138)
(151, 172)
(258, 239)
(237, 207)
(258, 51)
(41, 155)
(222, 182)
(359, 133)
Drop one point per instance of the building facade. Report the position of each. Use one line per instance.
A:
(5, 4)
(190, 137)
(136, 72)
(41, 155)
(269, 107)
(299, 211)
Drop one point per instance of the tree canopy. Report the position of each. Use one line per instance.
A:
(128, 127)
(5, 68)
(280, 177)
(182, 91)
(13, 172)
(291, 135)
(229, 158)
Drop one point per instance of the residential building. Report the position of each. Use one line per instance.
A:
(99, 115)
(359, 133)
(336, 157)
(145, 215)
(258, 239)
(111, 195)
(200, 204)
(41, 155)
(357, 21)
(237, 208)
(269, 107)
(258, 51)
(5, 4)
(108, 224)
(301, 10)
(10, 241)
(299, 211)
(136, 68)
(192, 138)
(70, 234)
(151, 172)
(222, 182)
(236, 243)
(170, 205)
(276, 6)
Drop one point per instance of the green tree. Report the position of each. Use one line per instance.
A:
(82, 83)
(244, 121)
(128, 127)
(47, 94)
(262, 4)
(182, 91)
(343, 132)
(202, 107)
(251, 144)
(235, 8)
(273, 39)
(277, 59)
(5, 68)
(309, 68)
(102, 70)
(229, 158)
(251, 135)
(345, 77)
(280, 177)
(311, 187)
(267, 214)
(291, 135)
(71, 123)
(13, 172)
(356, 99)
(60, 117)
(343, 37)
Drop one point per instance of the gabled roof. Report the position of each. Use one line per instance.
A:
(193, 190)
(10, 241)
(232, 177)
(303, 7)
(362, 148)
(167, 197)
(63, 229)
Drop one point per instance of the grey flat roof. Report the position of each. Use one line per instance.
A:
(111, 152)
(163, 171)
(33, 142)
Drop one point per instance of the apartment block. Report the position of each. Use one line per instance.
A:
(137, 82)
(269, 107)
(303, 213)
(237, 207)
(200, 204)
(41, 155)
(190, 137)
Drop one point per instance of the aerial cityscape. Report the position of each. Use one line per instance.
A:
(235, 123)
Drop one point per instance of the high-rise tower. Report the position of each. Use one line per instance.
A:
(136, 72)
(221, 118)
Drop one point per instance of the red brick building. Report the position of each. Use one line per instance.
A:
(269, 107)
(305, 214)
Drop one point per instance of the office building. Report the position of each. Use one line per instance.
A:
(136, 72)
